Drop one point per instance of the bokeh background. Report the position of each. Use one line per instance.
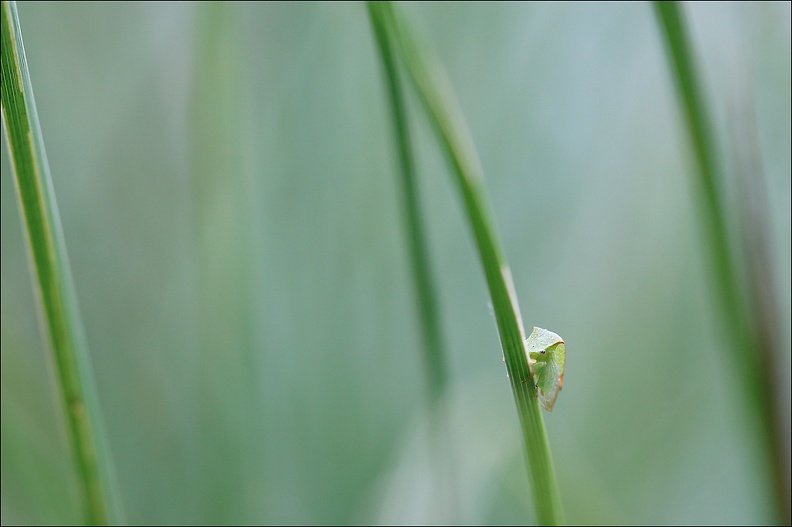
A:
(228, 190)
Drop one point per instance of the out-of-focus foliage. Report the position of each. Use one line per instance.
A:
(281, 381)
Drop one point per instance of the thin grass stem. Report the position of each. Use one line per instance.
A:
(431, 331)
(60, 317)
(433, 345)
(756, 362)
(440, 106)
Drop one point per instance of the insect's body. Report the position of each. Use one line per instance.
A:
(546, 357)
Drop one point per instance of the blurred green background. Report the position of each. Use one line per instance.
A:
(227, 183)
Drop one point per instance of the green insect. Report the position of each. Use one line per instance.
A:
(546, 354)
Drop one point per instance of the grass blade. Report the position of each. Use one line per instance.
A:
(449, 127)
(223, 245)
(54, 289)
(433, 346)
(434, 349)
(755, 360)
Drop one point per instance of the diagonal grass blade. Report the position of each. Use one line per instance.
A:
(57, 300)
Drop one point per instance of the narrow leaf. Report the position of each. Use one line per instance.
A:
(753, 359)
(433, 346)
(449, 127)
(60, 316)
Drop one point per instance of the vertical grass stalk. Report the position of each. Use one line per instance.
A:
(223, 219)
(756, 362)
(57, 300)
(448, 125)
(433, 345)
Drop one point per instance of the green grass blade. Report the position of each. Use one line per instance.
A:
(755, 361)
(433, 345)
(54, 288)
(762, 286)
(223, 236)
(439, 105)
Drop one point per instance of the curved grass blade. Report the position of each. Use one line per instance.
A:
(449, 127)
(57, 301)
(756, 360)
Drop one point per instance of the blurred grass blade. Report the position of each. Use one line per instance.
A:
(54, 288)
(433, 346)
(754, 360)
(439, 105)
(223, 236)
(434, 349)
(762, 286)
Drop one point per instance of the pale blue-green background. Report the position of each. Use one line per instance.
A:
(251, 321)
